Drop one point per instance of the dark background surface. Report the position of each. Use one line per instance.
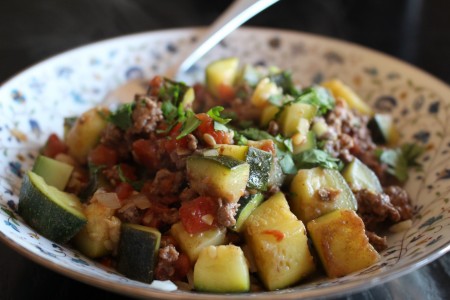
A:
(417, 31)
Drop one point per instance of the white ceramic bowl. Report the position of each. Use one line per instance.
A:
(34, 103)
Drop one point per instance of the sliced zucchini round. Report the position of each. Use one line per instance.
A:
(54, 214)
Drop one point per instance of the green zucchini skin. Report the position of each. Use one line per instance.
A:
(55, 214)
(55, 173)
(247, 205)
(137, 251)
(260, 165)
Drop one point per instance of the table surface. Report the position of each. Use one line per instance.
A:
(416, 31)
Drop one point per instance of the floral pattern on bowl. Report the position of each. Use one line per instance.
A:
(34, 103)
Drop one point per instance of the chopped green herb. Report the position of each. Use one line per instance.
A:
(398, 160)
(214, 113)
(317, 158)
(122, 116)
(221, 127)
(284, 80)
(137, 185)
(169, 111)
(191, 123)
(287, 163)
(317, 96)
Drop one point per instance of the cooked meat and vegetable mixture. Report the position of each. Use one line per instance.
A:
(244, 183)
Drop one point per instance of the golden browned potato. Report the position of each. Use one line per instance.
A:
(278, 242)
(340, 240)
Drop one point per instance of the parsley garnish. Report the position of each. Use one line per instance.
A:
(214, 113)
(190, 124)
(317, 158)
(284, 80)
(317, 96)
(398, 160)
(122, 116)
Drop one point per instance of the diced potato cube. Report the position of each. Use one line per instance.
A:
(340, 90)
(278, 243)
(268, 114)
(221, 269)
(193, 243)
(340, 240)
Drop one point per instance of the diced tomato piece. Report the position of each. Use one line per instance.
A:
(54, 146)
(182, 266)
(225, 92)
(146, 152)
(124, 190)
(199, 215)
(128, 171)
(155, 85)
(207, 126)
(103, 155)
(279, 236)
(155, 214)
(268, 146)
(172, 143)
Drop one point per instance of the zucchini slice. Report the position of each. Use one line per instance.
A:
(317, 191)
(222, 269)
(359, 176)
(247, 204)
(296, 118)
(383, 130)
(218, 176)
(260, 163)
(137, 251)
(55, 214)
(55, 173)
(221, 72)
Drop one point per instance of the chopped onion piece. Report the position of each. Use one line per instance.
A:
(141, 201)
(401, 226)
(109, 200)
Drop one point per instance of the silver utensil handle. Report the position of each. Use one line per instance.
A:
(235, 15)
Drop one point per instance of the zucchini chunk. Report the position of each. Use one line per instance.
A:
(218, 176)
(268, 114)
(260, 163)
(221, 269)
(55, 173)
(236, 151)
(308, 144)
(221, 73)
(55, 214)
(383, 130)
(193, 243)
(263, 91)
(296, 118)
(359, 176)
(341, 242)
(340, 90)
(318, 191)
(101, 234)
(85, 133)
(137, 251)
(279, 244)
(247, 205)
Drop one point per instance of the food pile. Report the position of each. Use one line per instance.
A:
(244, 183)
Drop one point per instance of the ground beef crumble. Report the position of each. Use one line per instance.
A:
(165, 268)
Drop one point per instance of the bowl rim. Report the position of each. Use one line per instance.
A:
(289, 293)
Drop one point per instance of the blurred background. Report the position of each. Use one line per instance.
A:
(416, 31)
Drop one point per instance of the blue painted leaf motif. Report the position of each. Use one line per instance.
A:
(46, 252)
(318, 78)
(18, 96)
(16, 168)
(430, 221)
(12, 205)
(334, 57)
(34, 125)
(275, 42)
(134, 73)
(445, 174)
(416, 238)
(386, 103)
(80, 261)
(172, 48)
(77, 97)
(418, 102)
(64, 72)
(434, 241)
(371, 71)
(12, 225)
(434, 107)
(422, 136)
